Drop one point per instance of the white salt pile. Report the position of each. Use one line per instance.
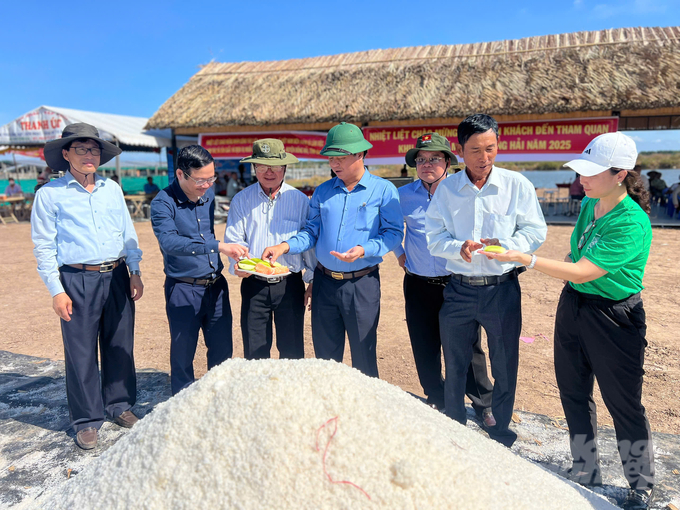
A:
(245, 436)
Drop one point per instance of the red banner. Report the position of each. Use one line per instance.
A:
(551, 137)
(33, 153)
(305, 145)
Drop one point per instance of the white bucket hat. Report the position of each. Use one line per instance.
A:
(610, 150)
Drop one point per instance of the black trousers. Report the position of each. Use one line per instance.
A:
(351, 306)
(604, 339)
(498, 309)
(284, 301)
(423, 302)
(103, 311)
(191, 308)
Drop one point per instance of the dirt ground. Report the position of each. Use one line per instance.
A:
(29, 326)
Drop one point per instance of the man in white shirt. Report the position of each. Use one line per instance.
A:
(265, 213)
(484, 205)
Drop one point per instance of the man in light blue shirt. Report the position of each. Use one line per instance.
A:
(84, 244)
(354, 220)
(271, 211)
(425, 279)
(484, 205)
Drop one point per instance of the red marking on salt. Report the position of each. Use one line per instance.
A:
(527, 339)
(543, 337)
(334, 420)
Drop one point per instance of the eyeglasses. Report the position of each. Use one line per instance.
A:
(81, 151)
(201, 182)
(263, 168)
(433, 161)
(583, 239)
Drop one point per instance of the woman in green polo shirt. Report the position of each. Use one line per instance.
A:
(600, 322)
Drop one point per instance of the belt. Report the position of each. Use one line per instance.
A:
(205, 282)
(434, 280)
(269, 279)
(105, 267)
(479, 281)
(336, 275)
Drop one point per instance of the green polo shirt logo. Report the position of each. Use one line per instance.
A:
(619, 244)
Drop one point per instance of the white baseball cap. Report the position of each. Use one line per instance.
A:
(610, 150)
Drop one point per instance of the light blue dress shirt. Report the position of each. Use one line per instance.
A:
(368, 216)
(505, 208)
(70, 225)
(256, 222)
(414, 203)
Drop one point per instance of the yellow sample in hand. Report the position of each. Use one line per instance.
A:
(495, 249)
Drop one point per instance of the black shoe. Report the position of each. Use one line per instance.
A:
(639, 499)
(585, 478)
(436, 404)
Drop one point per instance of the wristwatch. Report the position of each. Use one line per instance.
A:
(136, 272)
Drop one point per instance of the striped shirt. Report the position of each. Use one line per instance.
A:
(257, 222)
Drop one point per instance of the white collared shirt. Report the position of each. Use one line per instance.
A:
(505, 208)
(257, 222)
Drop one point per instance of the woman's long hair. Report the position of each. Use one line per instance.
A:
(635, 188)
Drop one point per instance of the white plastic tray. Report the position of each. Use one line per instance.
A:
(264, 275)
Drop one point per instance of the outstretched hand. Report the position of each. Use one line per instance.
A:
(350, 255)
(232, 250)
(467, 249)
(271, 253)
(508, 256)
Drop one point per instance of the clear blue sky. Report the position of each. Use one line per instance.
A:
(129, 57)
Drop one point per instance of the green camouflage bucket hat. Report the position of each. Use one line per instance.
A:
(270, 151)
(431, 142)
(343, 140)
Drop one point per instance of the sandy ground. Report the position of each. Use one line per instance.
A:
(29, 326)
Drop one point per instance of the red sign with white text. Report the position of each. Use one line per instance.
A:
(305, 145)
(550, 137)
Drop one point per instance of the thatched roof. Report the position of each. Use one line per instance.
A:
(617, 69)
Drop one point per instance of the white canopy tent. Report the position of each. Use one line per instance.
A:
(46, 123)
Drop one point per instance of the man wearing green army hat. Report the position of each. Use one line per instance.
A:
(354, 220)
(267, 211)
(425, 279)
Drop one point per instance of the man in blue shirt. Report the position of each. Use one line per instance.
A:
(354, 219)
(425, 279)
(196, 293)
(271, 211)
(150, 188)
(84, 243)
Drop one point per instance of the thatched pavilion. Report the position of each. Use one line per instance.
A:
(632, 73)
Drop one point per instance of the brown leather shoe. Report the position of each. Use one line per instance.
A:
(87, 438)
(126, 419)
(488, 419)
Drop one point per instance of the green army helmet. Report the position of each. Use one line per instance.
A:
(431, 142)
(345, 139)
(271, 152)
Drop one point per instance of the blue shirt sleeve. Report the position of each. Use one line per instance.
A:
(44, 236)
